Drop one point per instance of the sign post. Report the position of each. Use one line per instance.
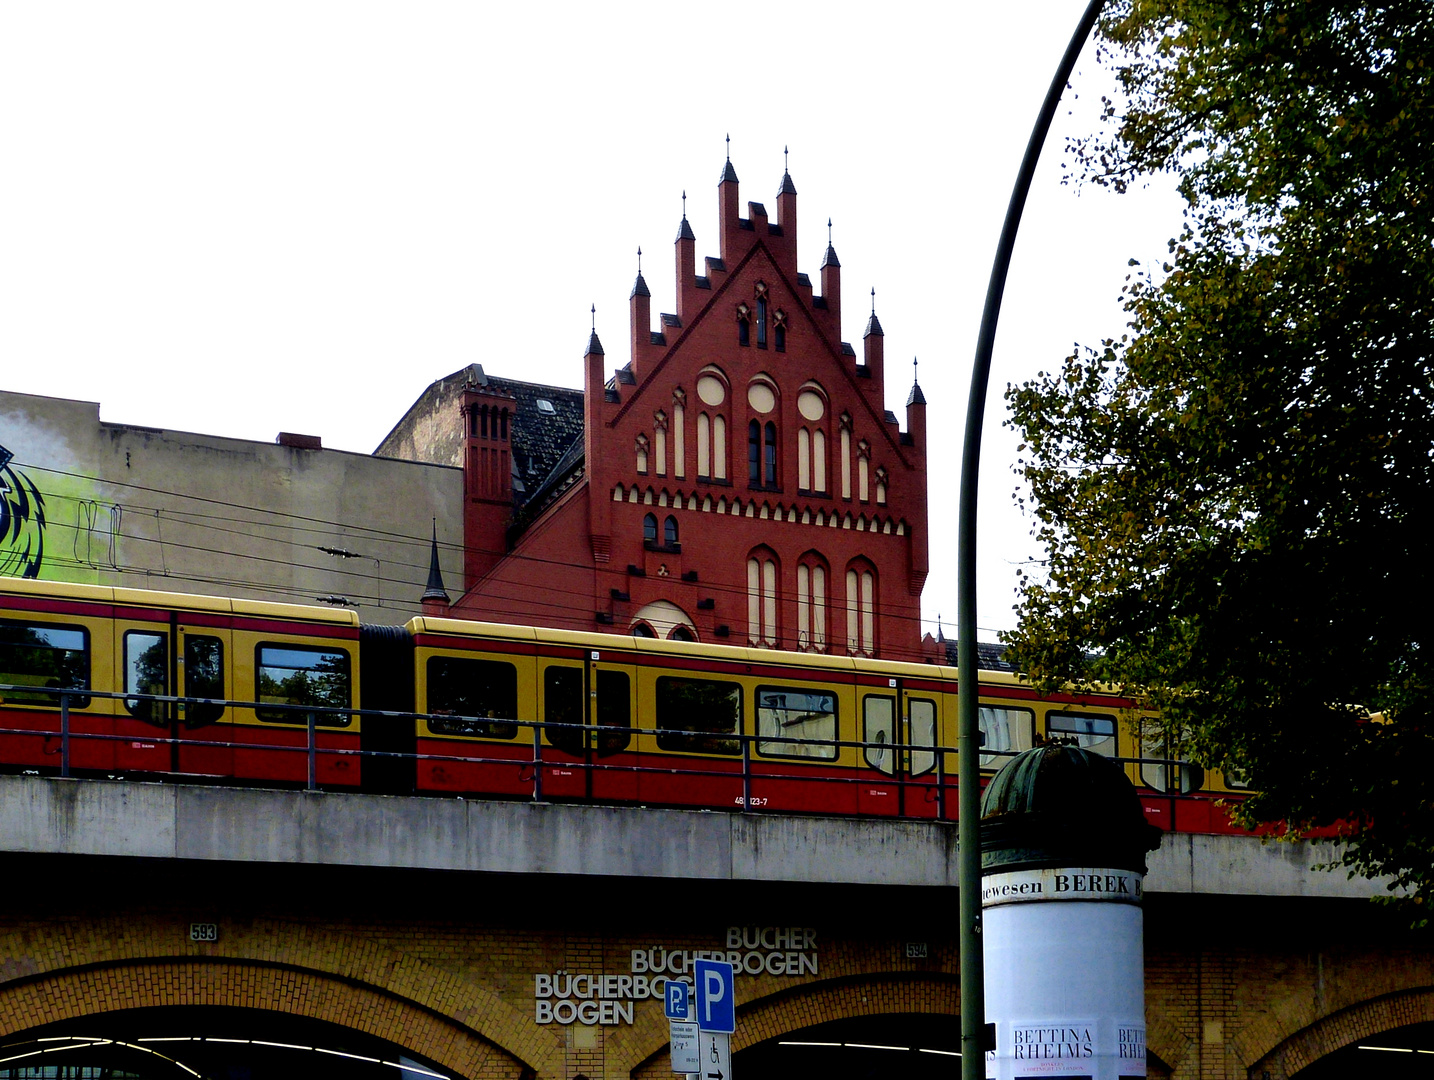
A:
(716, 1008)
(681, 1028)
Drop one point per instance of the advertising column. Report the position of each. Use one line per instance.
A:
(1063, 845)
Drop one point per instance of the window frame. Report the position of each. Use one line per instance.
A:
(1114, 735)
(675, 738)
(295, 717)
(149, 712)
(807, 744)
(46, 700)
(503, 728)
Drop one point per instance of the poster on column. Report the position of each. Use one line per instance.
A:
(1049, 1050)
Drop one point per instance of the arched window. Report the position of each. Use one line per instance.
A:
(641, 447)
(754, 453)
(485, 421)
(505, 423)
(804, 460)
(649, 528)
(473, 423)
(669, 531)
(744, 325)
(762, 598)
(819, 461)
(719, 448)
(762, 323)
(659, 441)
(680, 633)
(863, 470)
(812, 603)
(679, 436)
(861, 608)
(643, 630)
(845, 456)
(881, 486)
(704, 446)
(769, 443)
(779, 329)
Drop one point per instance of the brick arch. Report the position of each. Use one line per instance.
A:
(95, 954)
(1339, 1029)
(71, 995)
(642, 1047)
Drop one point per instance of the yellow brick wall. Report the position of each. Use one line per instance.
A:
(447, 972)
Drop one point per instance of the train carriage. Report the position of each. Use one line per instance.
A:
(120, 653)
(245, 691)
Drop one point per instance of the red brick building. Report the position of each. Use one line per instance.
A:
(739, 480)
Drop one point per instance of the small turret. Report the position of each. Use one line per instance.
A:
(916, 412)
(787, 207)
(831, 281)
(594, 409)
(686, 245)
(728, 207)
(640, 311)
(874, 349)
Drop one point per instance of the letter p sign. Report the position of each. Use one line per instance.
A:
(716, 1007)
(677, 999)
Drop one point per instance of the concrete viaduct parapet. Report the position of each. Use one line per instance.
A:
(209, 824)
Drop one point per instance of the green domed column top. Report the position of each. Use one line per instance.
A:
(1063, 806)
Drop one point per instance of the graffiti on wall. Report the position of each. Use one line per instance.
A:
(22, 522)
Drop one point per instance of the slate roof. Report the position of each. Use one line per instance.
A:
(990, 656)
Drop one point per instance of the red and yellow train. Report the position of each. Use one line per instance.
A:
(112, 681)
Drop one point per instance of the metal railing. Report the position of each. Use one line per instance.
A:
(878, 761)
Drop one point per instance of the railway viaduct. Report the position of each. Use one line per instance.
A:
(413, 937)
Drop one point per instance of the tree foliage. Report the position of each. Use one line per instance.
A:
(1232, 494)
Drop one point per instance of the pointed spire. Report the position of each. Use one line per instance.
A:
(787, 188)
(873, 326)
(729, 174)
(594, 345)
(830, 258)
(639, 287)
(940, 631)
(916, 397)
(684, 231)
(435, 589)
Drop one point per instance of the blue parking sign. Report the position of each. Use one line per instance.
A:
(716, 993)
(677, 995)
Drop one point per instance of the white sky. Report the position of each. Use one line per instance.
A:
(246, 218)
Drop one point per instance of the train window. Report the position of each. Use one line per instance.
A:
(54, 657)
(796, 723)
(563, 704)
(303, 676)
(1004, 733)
(878, 726)
(614, 710)
(921, 717)
(1236, 778)
(203, 677)
(146, 671)
(1093, 733)
(1167, 774)
(711, 710)
(469, 695)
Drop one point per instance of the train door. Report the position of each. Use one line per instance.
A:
(144, 730)
(899, 727)
(562, 710)
(879, 792)
(202, 662)
(612, 711)
(921, 714)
